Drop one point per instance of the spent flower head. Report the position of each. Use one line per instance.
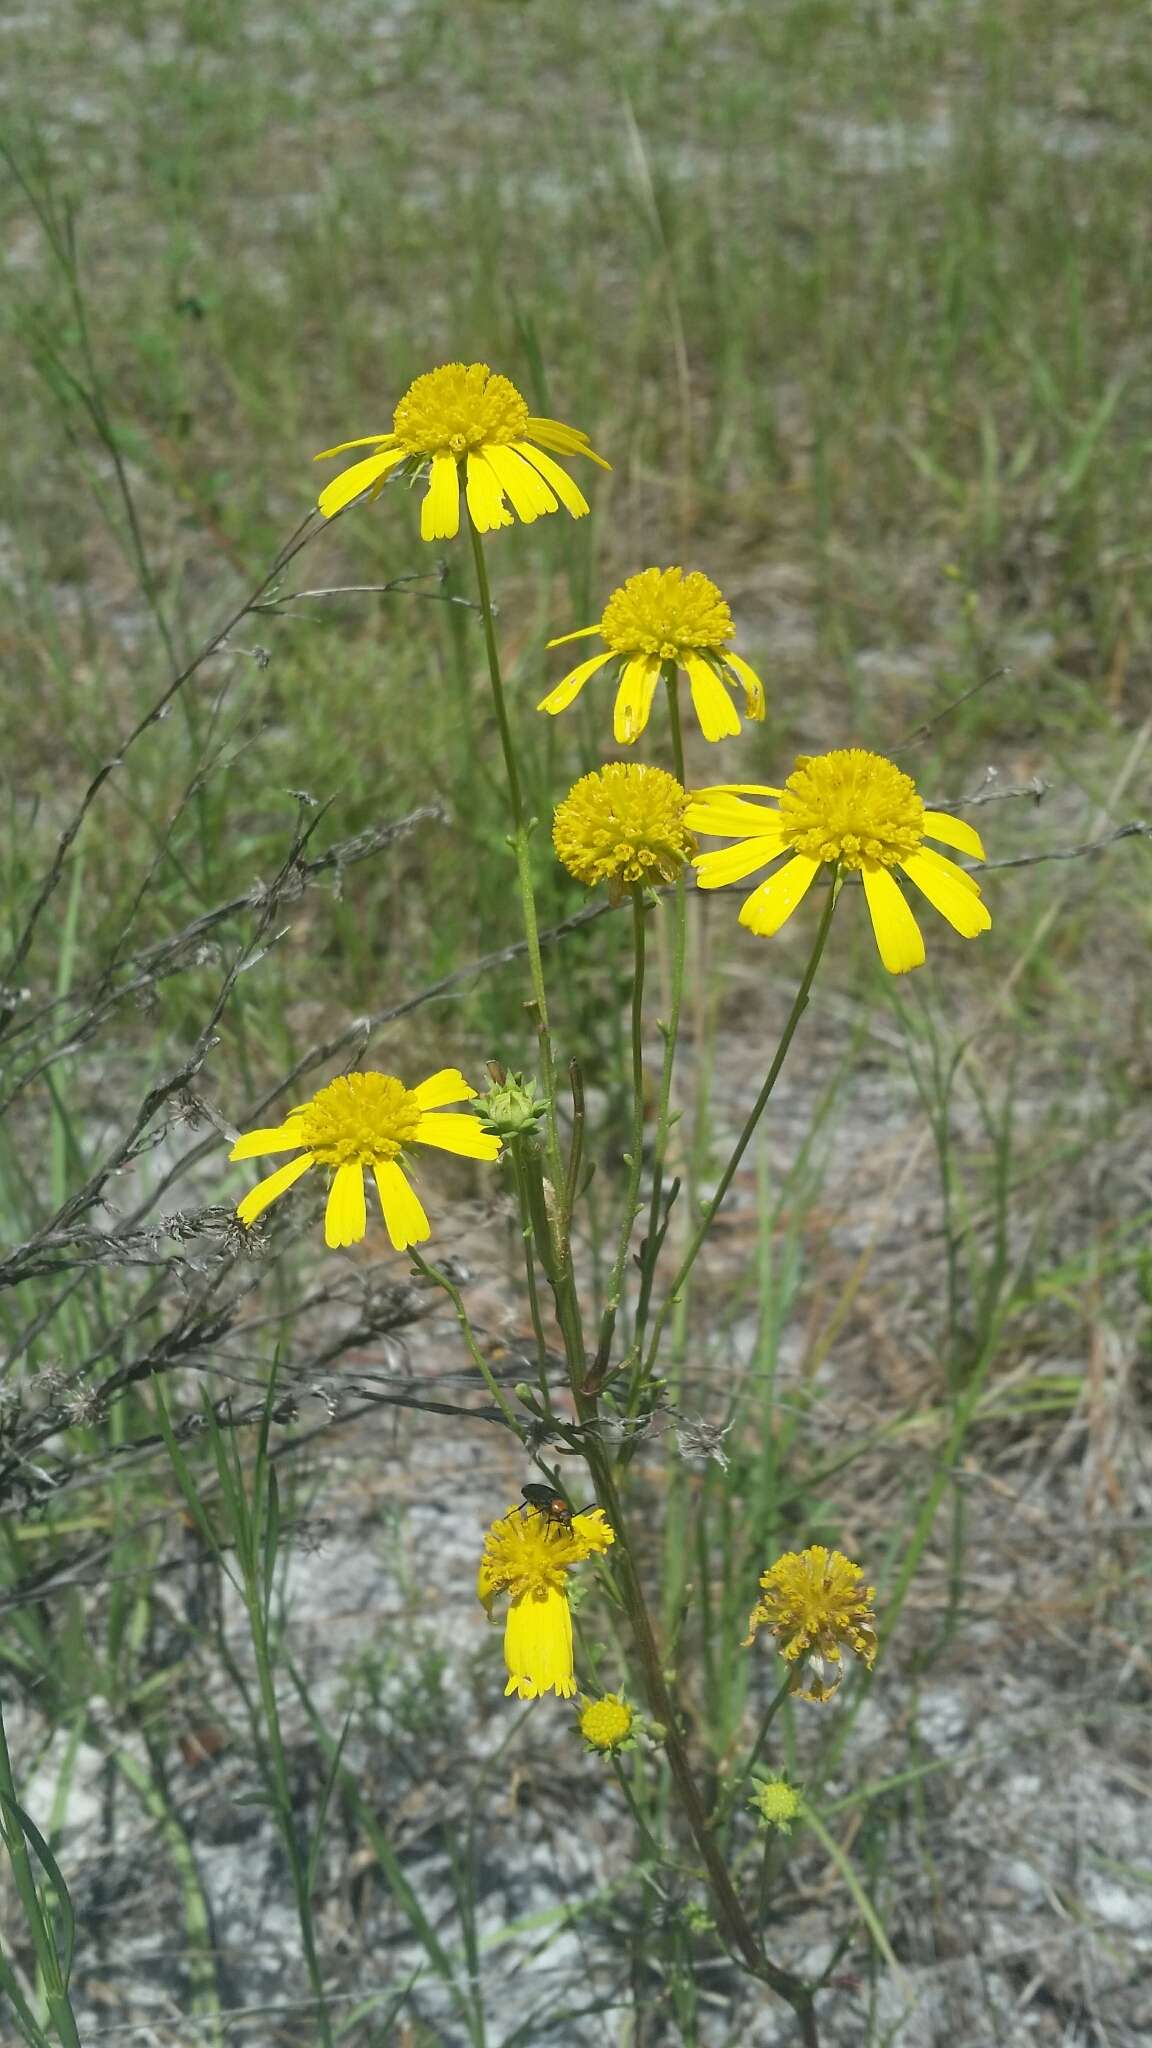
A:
(850, 811)
(606, 1723)
(777, 1802)
(624, 825)
(359, 1121)
(816, 1606)
(469, 426)
(529, 1556)
(663, 619)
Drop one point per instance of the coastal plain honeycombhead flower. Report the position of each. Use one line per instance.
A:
(528, 1555)
(854, 812)
(366, 1120)
(606, 1723)
(777, 1802)
(623, 824)
(816, 1606)
(664, 618)
(469, 426)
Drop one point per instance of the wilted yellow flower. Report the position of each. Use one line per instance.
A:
(463, 419)
(362, 1120)
(813, 1602)
(624, 825)
(663, 616)
(606, 1723)
(777, 1802)
(853, 811)
(528, 1555)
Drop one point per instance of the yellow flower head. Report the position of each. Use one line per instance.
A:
(777, 1802)
(852, 811)
(664, 618)
(464, 420)
(624, 825)
(362, 1120)
(607, 1722)
(813, 1602)
(528, 1556)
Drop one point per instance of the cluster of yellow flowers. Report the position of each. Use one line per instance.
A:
(845, 813)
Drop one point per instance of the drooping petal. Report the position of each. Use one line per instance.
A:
(525, 486)
(753, 687)
(949, 890)
(345, 1217)
(378, 441)
(569, 493)
(634, 698)
(718, 716)
(955, 832)
(404, 1217)
(440, 511)
(736, 863)
(730, 817)
(283, 1137)
(581, 633)
(445, 1086)
(569, 689)
(565, 440)
(898, 935)
(771, 905)
(486, 506)
(351, 482)
(265, 1191)
(457, 1132)
(538, 1645)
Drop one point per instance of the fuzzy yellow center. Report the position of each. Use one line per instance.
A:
(664, 612)
(359, 1118)
(816, 1598)
(459, 407)
(607, 1722)
(778, 1803)
(624, 825)
(528, 1554)
(851, 806)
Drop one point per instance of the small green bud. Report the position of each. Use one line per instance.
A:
(510, 1105)
(777, 1802)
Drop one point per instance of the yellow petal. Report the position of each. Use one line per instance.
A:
(730, 817)
(954, 832)
(771, 905)
(283, 1137)
(581, 633)
(457, 1132)
(753, 687)
(445, 1086)
(440, 511)
(570, 495)
(538, 1645)
(738, 789)
(719, 718)
(565, 440)
(634, 698)
(897, 932)
(567, 691)
(735, 863)
(949, 890)
(404, 1218)
(345, 1218)
(377, 441)
(941, 860)
(351, 482)
(486, 506)
(265, 1191)
(525, 486)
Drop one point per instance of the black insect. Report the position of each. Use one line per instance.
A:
(549, 1503)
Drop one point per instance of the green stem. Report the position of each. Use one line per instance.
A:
(671, 1036)
(35, 1912)
(726, 1804)
(513, 1151)
(441, 1280)
(744, 1140)
(521, 830)
(636, 1160)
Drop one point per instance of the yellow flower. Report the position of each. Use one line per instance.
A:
(664, 617)
(624, 825)
(462, 418)
(777, 1802)
(607, 1722)
(851, 810)
(364, 1120)
(813, 1602)
(528, 1556)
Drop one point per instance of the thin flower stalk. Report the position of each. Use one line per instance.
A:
(636, 1157)
(449, 1287)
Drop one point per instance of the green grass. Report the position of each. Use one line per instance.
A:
(857, 302)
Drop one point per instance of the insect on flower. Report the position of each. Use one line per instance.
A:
(552, 1505)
